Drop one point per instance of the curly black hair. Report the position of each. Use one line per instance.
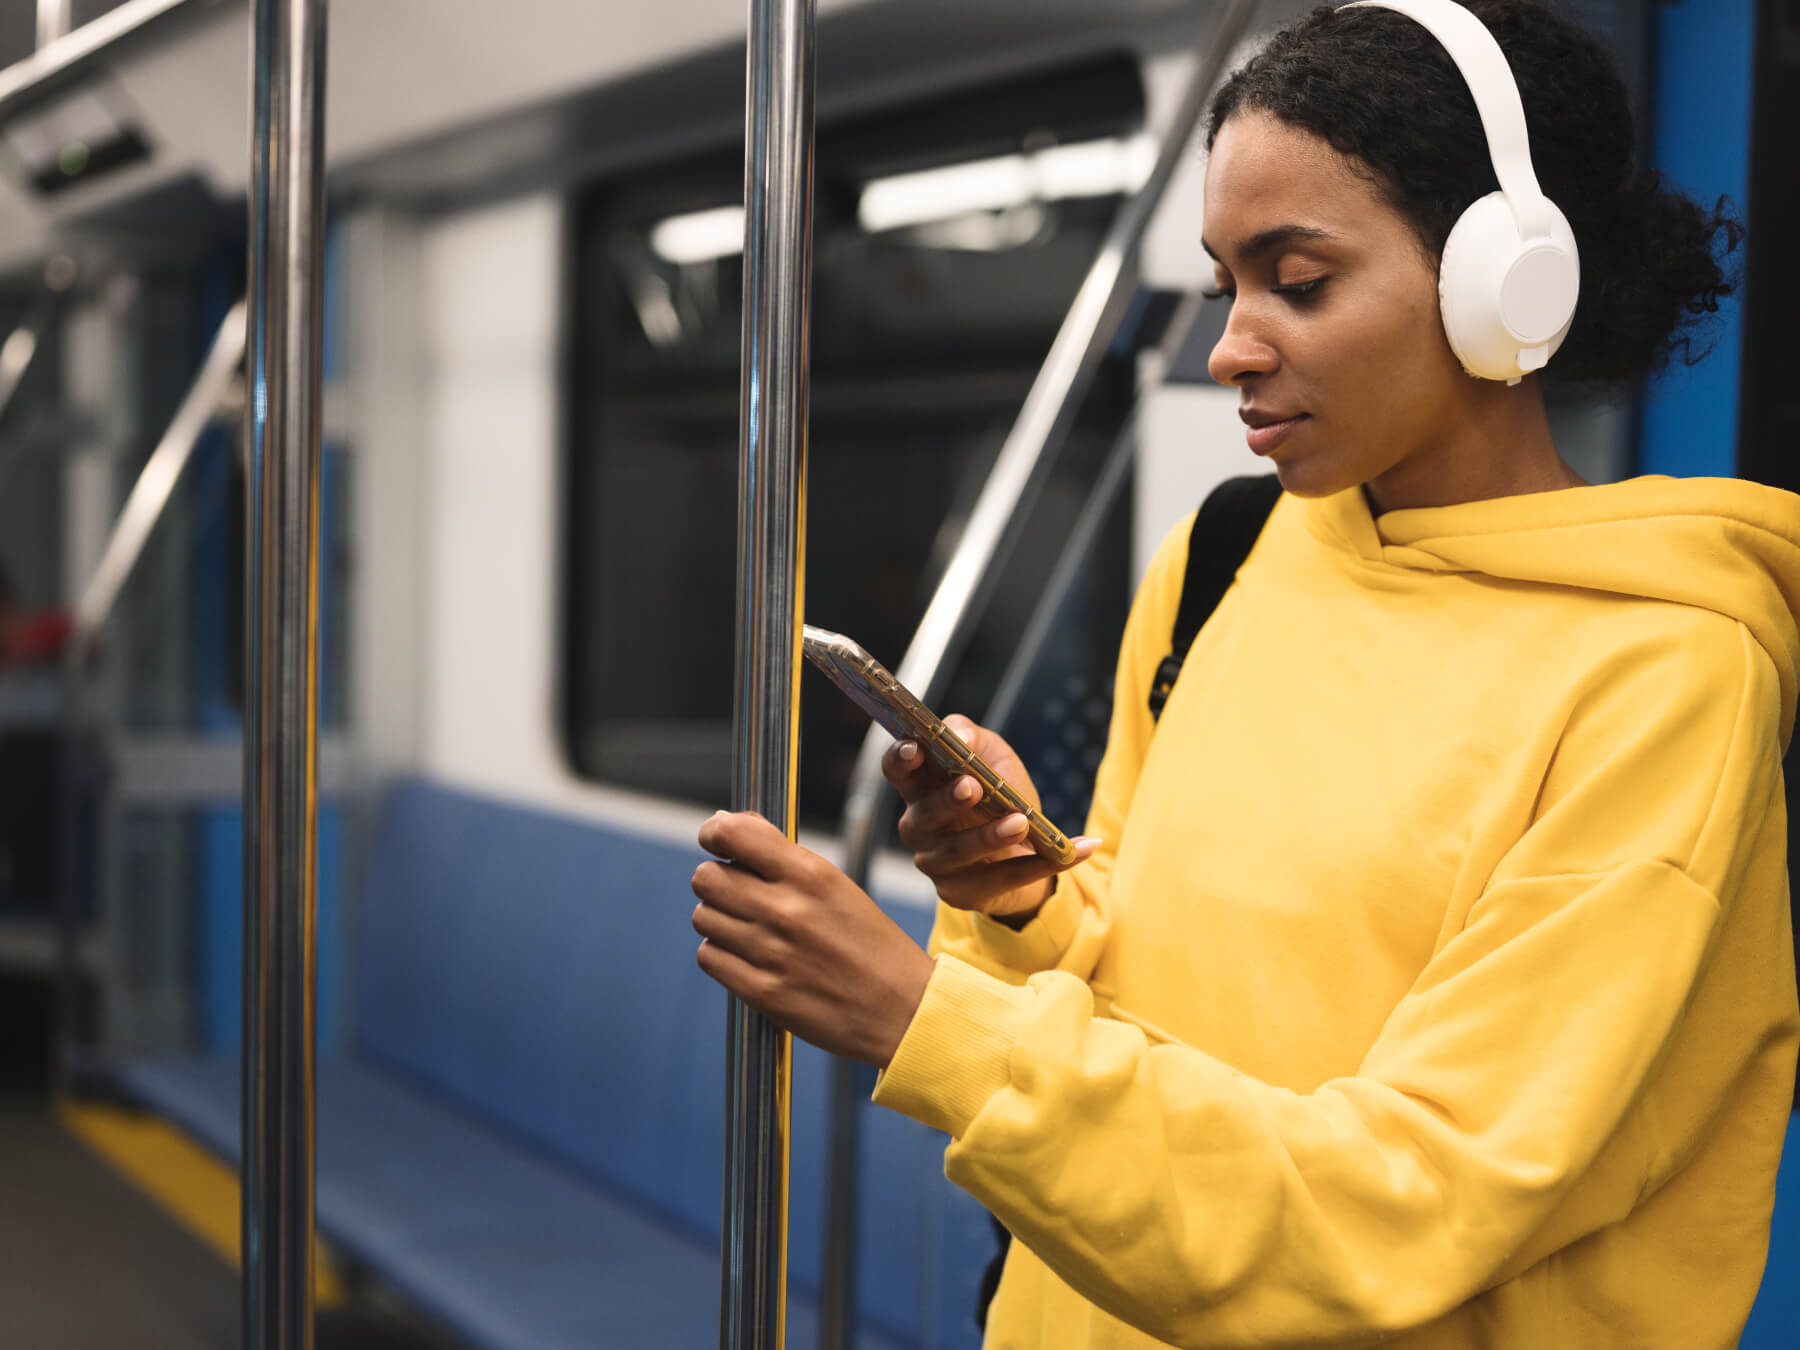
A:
(1378, 88)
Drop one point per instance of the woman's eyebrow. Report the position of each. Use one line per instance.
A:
(1265, 241)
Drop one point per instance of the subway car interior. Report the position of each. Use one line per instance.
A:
(527, 539)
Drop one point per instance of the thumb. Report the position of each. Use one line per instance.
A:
(963, 728)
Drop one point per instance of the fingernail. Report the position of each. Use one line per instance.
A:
(1012, 827)
(967, 790)
(1087, 844)
(909, 750)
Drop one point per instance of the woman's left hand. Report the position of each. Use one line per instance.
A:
(801, 943)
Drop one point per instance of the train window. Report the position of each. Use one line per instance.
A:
(18, 33)
(949, 242)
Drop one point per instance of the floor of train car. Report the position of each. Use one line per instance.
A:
(87, 1260)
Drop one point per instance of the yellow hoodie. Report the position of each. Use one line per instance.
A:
(1435, 982)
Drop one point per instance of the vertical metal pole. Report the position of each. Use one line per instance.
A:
(52, 21)
(851, 1082)
(287, 225)
(778, 140)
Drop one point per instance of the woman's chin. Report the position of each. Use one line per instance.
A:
(1312, 476)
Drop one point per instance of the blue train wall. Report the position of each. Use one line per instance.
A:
(1700, 139)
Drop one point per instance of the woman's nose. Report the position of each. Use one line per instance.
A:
(1239, 353)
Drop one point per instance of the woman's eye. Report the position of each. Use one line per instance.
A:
(1297, 291)
(1300, 290)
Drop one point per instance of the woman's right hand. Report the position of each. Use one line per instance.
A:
(977, 862)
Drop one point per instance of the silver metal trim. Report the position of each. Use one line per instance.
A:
(287, 238)
(778, 153)
(1044, 419)
(150, 494)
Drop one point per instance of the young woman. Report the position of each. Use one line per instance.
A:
(1432, 978)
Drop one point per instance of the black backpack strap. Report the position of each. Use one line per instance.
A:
(1225, 530)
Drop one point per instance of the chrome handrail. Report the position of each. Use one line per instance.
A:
(282, 459)
(1100, 501)
(25, 340)
(66, 58)
(150, 494)
(1044, 419)
(771, 525)
(17, 352)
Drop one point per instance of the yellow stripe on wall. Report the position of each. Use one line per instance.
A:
(193, 1186)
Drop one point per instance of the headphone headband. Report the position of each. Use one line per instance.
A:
(1490, 79)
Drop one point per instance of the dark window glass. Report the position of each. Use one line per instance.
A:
(18, 32)
(925, 341)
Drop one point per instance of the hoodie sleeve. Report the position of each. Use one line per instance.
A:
(1203, 1206)
(1069, 932)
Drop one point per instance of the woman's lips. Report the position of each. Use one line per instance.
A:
(1264, 439)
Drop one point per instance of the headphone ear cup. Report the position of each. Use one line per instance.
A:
(1506, 302)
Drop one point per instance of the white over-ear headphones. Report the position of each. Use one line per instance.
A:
(1510, 273)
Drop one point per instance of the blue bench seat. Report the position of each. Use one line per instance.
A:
(523, 1132)
(501, 1247)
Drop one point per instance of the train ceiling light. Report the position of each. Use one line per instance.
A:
(1002, 183)
(700, 236)
(1056, 172)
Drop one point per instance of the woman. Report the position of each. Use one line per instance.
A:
(1432, 977)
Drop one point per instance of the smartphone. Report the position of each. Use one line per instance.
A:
(894, 707)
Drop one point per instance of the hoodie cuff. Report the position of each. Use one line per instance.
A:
(1040, 944)
(957, 1051)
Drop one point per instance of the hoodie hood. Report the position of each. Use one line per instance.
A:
(1722, 544)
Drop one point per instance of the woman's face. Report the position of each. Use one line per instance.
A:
(1334, 339)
